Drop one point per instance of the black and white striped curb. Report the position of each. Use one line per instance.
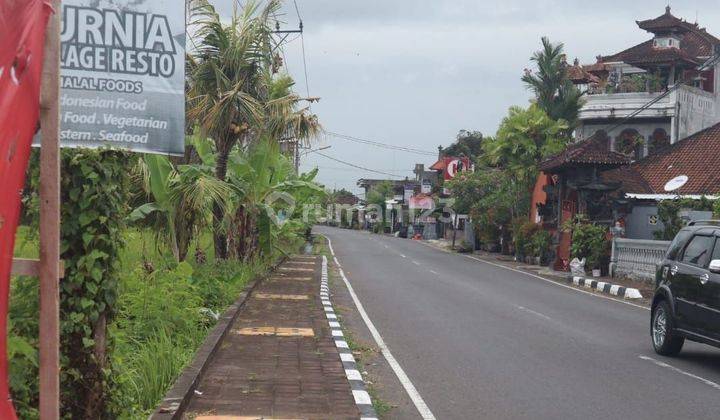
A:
(604, 287)
(357, 384)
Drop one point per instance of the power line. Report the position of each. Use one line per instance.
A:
(302, 46)
(297, 10)
(358, 166)
(381, 145)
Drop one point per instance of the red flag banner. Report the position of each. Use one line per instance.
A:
(22, 34)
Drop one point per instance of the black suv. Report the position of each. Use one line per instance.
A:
(686, 304)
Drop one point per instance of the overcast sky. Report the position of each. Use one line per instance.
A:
(415, 72)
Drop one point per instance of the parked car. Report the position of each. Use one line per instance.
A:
(686, 304)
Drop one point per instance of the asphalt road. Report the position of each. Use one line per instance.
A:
(483, 342)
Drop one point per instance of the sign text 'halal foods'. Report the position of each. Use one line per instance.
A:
(122, 75)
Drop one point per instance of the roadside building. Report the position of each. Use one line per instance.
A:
(606, 186)
(687, 168)
(570, 183)
(624, 85)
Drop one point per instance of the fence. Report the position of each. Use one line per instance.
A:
(636, 258)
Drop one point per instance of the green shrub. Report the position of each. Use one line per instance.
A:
(589, 241)
(541, 241)
(523, 231)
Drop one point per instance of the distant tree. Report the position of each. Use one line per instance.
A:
(554, 91)
(342, 196)
(467, 143)
(376, 198)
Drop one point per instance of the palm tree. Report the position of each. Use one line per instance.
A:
(554, 91)
(227, 86)
(285, 119)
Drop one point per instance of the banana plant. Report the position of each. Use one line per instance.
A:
(267, 197)
(182, 198)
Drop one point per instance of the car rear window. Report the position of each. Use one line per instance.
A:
(677, 244)
(698, 250)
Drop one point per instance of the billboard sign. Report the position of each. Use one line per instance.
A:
(453, 166)
(123, 75)
(407, 193)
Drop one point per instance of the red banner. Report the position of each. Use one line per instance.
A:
(22, 34)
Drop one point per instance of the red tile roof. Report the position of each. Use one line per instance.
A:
(663, 23)
(696, 156)
(695, 43)
(578, 74)
(593, 151)
(646, 53)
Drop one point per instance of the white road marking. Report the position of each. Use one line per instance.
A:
(403, 255)
(540, 278)
(434, 272)
(530, 311)
(415, 262)
(680, 371)
(420, 405)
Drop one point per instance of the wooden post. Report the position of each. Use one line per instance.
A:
(50, 222)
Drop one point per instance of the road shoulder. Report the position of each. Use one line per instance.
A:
(388, 395)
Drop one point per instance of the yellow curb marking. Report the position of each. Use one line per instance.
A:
(296, 269)
(240, 418)
(277, 331)
(276, 296)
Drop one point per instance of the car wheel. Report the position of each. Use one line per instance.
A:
(662, 330)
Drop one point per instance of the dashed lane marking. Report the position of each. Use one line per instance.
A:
(530, 311)
(680, 371)
(540, 278)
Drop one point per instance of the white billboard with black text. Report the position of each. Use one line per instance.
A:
(123, 75)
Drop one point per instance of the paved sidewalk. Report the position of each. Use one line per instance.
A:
(279, 359)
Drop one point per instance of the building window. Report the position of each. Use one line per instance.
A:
(658, 141)
(630, 143)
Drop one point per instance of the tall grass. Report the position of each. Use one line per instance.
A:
(164, 311)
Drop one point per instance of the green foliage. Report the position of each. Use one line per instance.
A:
(163, 316)
(541, 241)
(589, 240)
(669, 214)
(523, 231)
(183, 198)
(467, 143)
(95, 193)
(268, 198)
(525, 137)
(554, 92)
(376, 198)
(492, 197)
